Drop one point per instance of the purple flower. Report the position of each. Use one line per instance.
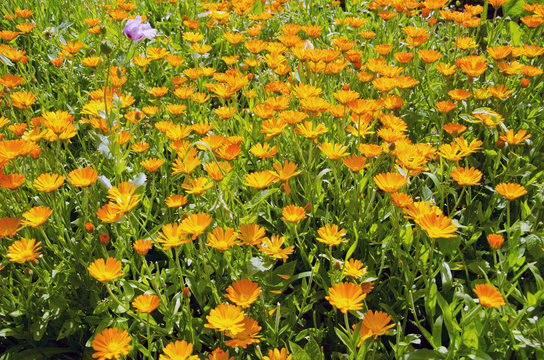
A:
(135, 30)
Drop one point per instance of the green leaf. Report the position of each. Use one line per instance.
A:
(514, 9)
(470, 335)
(423, 354)
(313, 349)
(298, 352)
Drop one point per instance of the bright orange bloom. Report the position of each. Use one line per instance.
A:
(333, 151)
(123, 197)
(467, 176)
(273, 247)
(9, 226)
(196, 224)
(178, 350)
(354, 268)
(197, 186)
(23, 99)
(105, 270)
(495, 240)
(243, 292)
(331, 235)
(472, 65)
(377, 322)
(401, 200)
(277, 354)
(248, 336)
(292, 213)
(437, 226)
(489, 296)
(260, 180)
(142, 246)
(251, 234)
(510, 191)
(83, 177)
(24, 250)
(514, 139)
(226, 317)
(355, 163)
(146, 303)
(111, 343)
(390, 182)
(172, 235)
(48, 182)
(429, 56)
(222, 239)
(36, 216)
(346, 296)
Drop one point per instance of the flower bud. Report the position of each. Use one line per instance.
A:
(89, 227)
(524, 82)
(186, 293)
(104, 239)
(105, 48)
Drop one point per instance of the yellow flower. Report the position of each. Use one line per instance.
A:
(489, 296)
(331, 235)
(333, 151)
(146, 303)
(24, 250)
(248, 336)
(83, 177)
(277, 354)
(36, 216)
(354, 268)
(111, 343)
(292, 213)
(48, 182)
(172, 235)
(346, 296)
(261, 179)
(178, 350)
(390, 182)
(466, 176)
(437, 226)
(196, 223)
(123, 197)
(243, 292)
(226, 317)
(273, 247)
(105, 270)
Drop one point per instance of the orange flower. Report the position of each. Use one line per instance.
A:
(472, 65)
(489, 296)
(514, 139)
(260, 180)
(197, 186)
(355, 163)
(123, 197)
(178, 350)
(292, 213)
(277, 354)
(172, 235)
(251, 234)
(196, 224)
(333, 151)
(273, 247)
(346, 296)
(429, 56)
(226, 317)
(105, 270)
(36, 216)
(23, 99)
(222, 239)
(510, 191)
(454, 129)
(48, 182)
(331, 235)
(243, 292)
(146, 303)
(377, 322)
(24, 250)
(466, 176)
(9, 226)
(459, 94)
(152, 164)
(176, 201)
(401, 200)
(111, 343)
(437, 226)
(142, 246)
(263, 151)
(495, 240)
(83, 177)
(390, 182)
(354, 268)
(248, 336)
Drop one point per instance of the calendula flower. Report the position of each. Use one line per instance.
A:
(510, 191)
(390, 182)
(331, 235)
(243, 292)
(105, 270)
(142, 246)
(495, 240)
(124, 197)
(466, 176)
(176, 201)
(248, 336)
(226, 317)
(146, 303)
(261, 179)
(178, 350)
(377, 322)
(36, 216)
(333, 151)
(24, 250)
(346, 296)
(437, 226)
(83, 177)
(354, 268)
(273, 247)
(111, 344)
(9, 226)
(401, 200)
(172, 235)
(196, 224)
(489, 296)
(278, 354)
(514, 139)
(222, 239)
(251, 234)
(48, 182)
(292, 213)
